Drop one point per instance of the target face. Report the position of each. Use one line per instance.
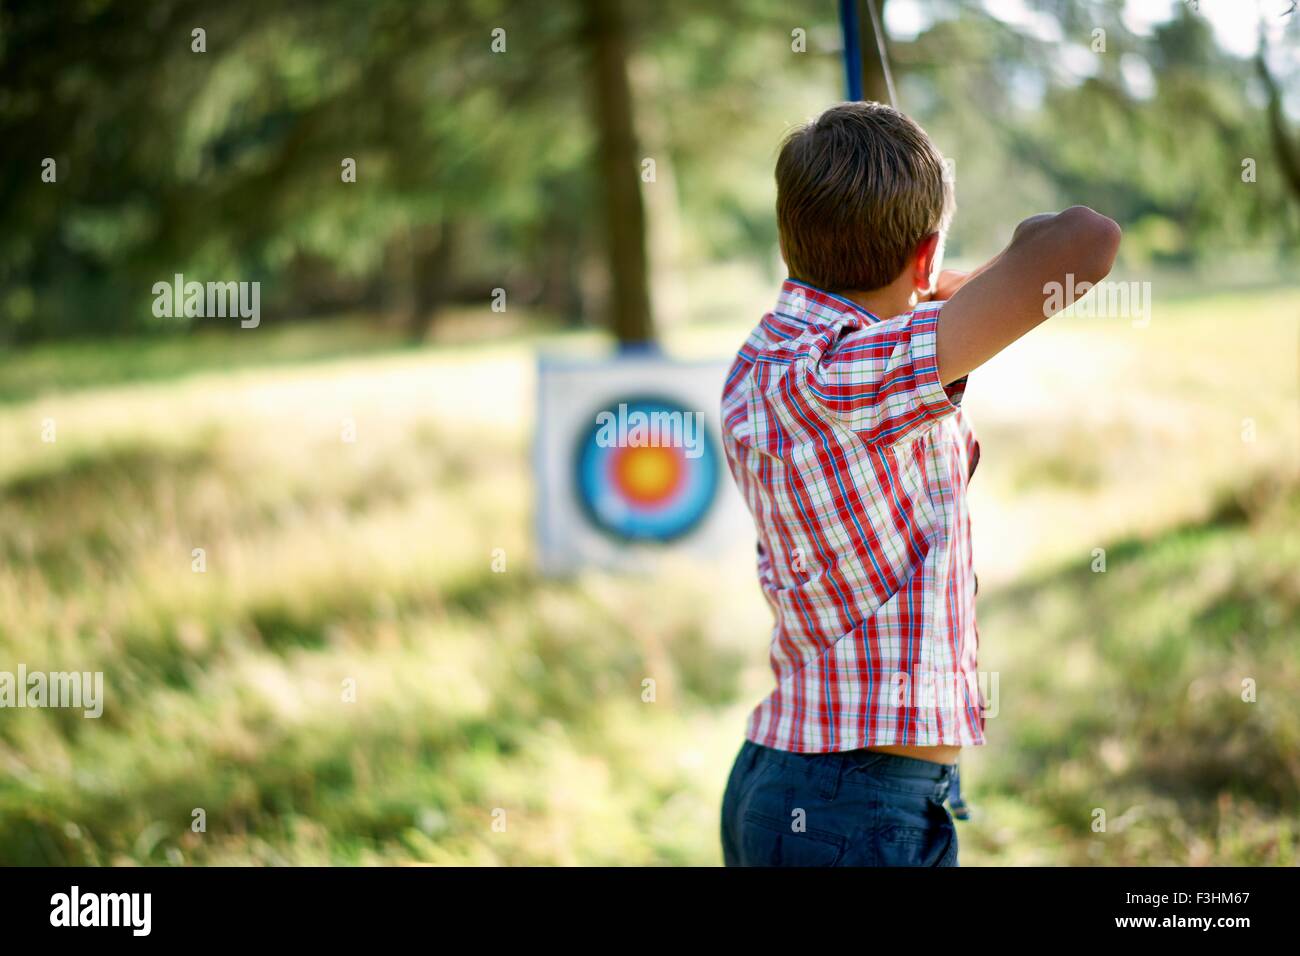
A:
(639, 491)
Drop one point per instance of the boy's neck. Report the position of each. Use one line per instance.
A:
(887, 302)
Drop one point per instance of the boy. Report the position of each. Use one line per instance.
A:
(843, 428)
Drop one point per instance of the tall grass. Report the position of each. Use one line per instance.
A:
(350, 681)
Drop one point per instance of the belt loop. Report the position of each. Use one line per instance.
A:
(942, 785)
(829, 775)
(754, 754)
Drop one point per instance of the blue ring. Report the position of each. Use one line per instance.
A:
(624, 520)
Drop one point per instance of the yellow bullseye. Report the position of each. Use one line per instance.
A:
(648, 475)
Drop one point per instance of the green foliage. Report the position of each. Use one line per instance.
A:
(475, 168)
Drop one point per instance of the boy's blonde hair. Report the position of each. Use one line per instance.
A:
(857, 190)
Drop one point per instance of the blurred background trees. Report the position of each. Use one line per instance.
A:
(480, 169)
(349, 492)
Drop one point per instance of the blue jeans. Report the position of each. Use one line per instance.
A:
(856, 808)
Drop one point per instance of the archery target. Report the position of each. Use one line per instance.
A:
(647, 489)
(629, 461)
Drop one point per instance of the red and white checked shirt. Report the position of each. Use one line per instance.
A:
(853, 458)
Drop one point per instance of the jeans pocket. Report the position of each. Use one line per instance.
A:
(767, 841)
(931, 845)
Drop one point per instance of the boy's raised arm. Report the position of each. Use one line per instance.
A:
(1008, 296)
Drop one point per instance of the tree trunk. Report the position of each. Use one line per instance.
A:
(431, 254)
(1288, 154)
(619, 170)
(874, 86)
(560, 293)
(417, 269)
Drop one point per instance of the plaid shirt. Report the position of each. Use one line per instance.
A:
(853, 458)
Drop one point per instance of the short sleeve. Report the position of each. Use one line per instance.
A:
(882, 380)
(937, 398)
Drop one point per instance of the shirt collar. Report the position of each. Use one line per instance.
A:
(813, 306)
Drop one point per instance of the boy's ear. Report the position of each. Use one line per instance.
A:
(925, 264)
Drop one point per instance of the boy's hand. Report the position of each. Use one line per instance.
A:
(946, 286)
(1009, 295)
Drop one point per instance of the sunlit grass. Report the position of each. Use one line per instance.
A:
(483, 697)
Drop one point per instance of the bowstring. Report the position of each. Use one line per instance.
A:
(884, 56)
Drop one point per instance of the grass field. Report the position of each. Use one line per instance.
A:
(480, 697)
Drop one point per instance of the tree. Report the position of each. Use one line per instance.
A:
(605, 39)
(1288, 153)
(875, 83)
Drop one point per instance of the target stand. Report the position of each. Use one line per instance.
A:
(629, 462)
